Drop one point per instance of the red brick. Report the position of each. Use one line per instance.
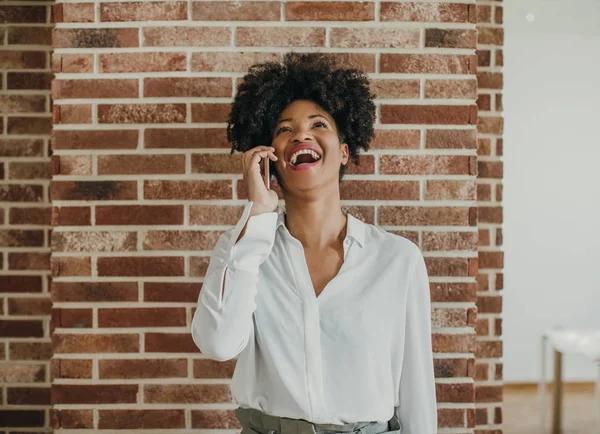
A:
(490, 80)
(23, 418)
(171, 292)
(23, 60)
(488, 393)
(280, 37)
(94, 394)
(188, 87)
(170, 343)
(453, 368)
(71, 368)
(490, 125)
(29, 125)
(215, 214)
(140, 266)
(413, 216)
(186, 138)
(28, 80)
(181, 240)
(141, 113)
(428, 63)
(198, 266)
(453, 292)
(490, 35)
(95, 343)
(30, 351)
(229, 62)
(394, 88)
(21, 193)
(142, 368)
(29, 36)
(215, 419)
(447, 241)
(70, 266)
(29, 216)
(484, 102)
(28, 396)
(72, 419)
(380, 190)
(94, 291)
(499, 58)
(187, 36)
(21, 328)
(71, 318)
(187, 190)
(23, 14)
(447, 266)
(98, 241)
(143, 62)
(72, 164)
(95, 38)
(29, 261)
(378, 37)
(456, 393)
(490, 214)
(29, 306)
(95, 139)
(20, 147)
(484, 14)
(139, 215)
(74, 12)
(489, 349)
(23, 373)
(436, 12)
(72, 63)
(451, 89)
(72, 114)
(491, 169)
(186, 393)
(21, 238)
(71, 216)
(64, 89)
(491, 259)
(206, 368)
(489, 304)
(142, 317)
(448, 317)
(210, 112)
(451, 417)
(454, 343)
(14, 284)
(451, 190)
(236, 11)
(141, 419)
(144, 11)
(450, 38)
(424, 165)
(423, 114)
(329, 11)
(397, 139)
(484, 57)
(93, 190)
(140, 164)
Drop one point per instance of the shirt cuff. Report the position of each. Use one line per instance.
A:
(256, 244)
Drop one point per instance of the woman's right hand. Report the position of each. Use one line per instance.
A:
(264, 200)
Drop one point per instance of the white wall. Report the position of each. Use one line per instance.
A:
(552, 178)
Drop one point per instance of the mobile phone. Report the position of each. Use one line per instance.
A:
(266, 172)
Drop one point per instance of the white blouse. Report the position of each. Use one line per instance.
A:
(354, 353)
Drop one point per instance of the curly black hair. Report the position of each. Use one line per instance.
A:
(268, 88)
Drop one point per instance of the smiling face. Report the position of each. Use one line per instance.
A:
(304, 126)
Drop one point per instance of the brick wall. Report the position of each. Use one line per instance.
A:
(143, 184)
(488, 374)
(25, 123)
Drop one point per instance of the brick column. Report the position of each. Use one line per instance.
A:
(25, 123)
(143, 184)
(489, 197)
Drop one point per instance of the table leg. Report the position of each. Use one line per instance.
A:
(557, 394)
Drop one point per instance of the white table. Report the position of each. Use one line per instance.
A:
(585, 342)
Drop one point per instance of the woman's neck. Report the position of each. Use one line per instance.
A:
(316, 224)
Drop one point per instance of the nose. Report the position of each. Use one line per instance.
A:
(302, 136)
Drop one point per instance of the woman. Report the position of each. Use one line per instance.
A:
(328, 316)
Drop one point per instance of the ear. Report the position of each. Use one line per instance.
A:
(345, 153)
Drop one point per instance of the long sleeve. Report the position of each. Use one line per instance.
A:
(418, 408)
(222, 322)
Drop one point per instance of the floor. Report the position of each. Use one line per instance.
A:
(521, 413)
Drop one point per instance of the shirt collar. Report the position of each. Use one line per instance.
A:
(356, 228)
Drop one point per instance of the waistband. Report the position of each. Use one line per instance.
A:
(256, 421)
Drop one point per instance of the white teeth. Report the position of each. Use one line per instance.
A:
(304, 151)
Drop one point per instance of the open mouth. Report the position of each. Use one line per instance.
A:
(304, 157)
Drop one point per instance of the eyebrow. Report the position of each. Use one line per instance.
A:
(310, 117)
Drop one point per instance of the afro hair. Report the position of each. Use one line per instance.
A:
(268, 88)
